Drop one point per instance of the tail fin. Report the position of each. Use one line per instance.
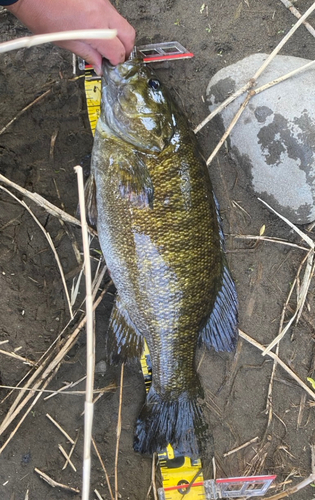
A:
(178, 422)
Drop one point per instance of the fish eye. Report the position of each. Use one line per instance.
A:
(154, 84)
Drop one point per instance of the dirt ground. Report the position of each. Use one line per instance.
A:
(38, 151)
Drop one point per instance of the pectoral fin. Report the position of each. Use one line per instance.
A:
(124, 341)
(135, 183)
(90, 201)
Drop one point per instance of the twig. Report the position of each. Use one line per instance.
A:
(90, 344)
(296, 13)
(229, 129)
(66, 456)
(54, 483)
(51, 244)
(31, 41)
(250, 84)
(153, 477)
(16, 356)
(55, 361)
(98, 495)
(293, 489)
(26, 413)
(60, 428)
(279, 361)
(42, 202)
(104, 469)
(118, 429)
(267, 238)
(241, 447)
(65, 387)
(71, 451)
(23, 110)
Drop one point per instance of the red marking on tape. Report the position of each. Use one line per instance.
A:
(181, 486)
(245, 479)
(166, 57)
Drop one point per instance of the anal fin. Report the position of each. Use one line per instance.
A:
(124, 340)
(221, 329)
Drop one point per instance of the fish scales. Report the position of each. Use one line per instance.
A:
(159, 232)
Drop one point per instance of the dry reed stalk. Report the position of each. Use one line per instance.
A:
(279, 361)
(66, 456)
(50, 242)
(310, 479)
(90, 344)
(60, 428)
(31, 41)
(306, 281)
(20, 113)
(297, 14)
(16, 408)
(104, 469)
(45, 204)
(118, 429)
(153, 476)
(20, 358)
(27, 412)
(247, 88)
(270, 239)
(64, 388)
(54, 483)
(235, 450)
(71, 451)
(98, 495)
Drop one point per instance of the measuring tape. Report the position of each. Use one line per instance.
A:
(181, 476)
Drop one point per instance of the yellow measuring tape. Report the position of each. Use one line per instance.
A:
(181, 475)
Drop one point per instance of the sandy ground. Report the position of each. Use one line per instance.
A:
(38, 151)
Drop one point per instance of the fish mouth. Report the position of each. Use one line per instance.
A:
(122, 72)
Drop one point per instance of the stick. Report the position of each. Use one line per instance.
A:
(229, 129)
(98, 495)
(42, 202)
(153, 476)
(51, 244)
(250, 84)
(65, 454)
(67, 386)
(118, 430)
(16, 356)
(54, 483)
(60, 428)
(296, 13)
(71, 451)
(56, 360)
(31, 41)
(279, 361)
(24, 109)
(26, 413)
(90, 344)
(104, 469)
(241, 447)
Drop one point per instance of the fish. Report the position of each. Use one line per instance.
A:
(150, 196)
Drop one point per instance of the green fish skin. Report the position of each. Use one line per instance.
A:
(160, 234)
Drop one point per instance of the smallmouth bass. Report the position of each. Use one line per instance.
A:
(150, 195)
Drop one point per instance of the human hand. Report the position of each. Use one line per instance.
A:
(48, 16)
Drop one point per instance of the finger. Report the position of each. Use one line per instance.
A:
(127, 36)
(86, 51)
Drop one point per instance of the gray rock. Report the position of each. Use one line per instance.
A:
(274, 140)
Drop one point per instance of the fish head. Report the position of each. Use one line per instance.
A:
(136, 106)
